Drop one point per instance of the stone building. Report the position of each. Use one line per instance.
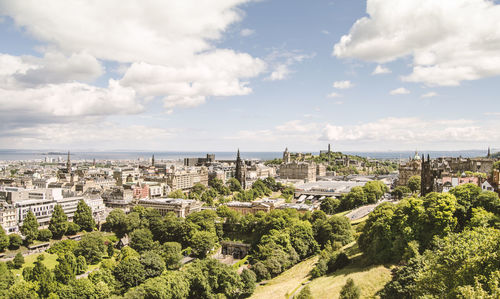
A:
(298, 171)
(411, 168)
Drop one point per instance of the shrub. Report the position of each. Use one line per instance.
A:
(44, 235)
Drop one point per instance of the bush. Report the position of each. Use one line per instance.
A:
(261, 271)
(44, 235)
(350, 290)
(305, 293)
(73, 229)
(337, 262)
(18, 261)
(15, 241)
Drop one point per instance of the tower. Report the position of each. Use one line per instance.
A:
(286, 156)
(426, 177)
(240, 170)
(68, 163)
(489, 153)
(153, 160)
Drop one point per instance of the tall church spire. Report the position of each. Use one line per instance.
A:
(153, 160)
(240, 173)
(489, 153)
(68, 163)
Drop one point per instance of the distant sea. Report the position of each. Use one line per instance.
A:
(9, 155)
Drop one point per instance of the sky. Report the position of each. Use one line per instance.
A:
(216, 75)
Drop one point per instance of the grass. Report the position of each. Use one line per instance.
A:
(370, 278)
(286, 283)
(50, 262)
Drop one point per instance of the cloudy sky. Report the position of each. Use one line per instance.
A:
(259, 75)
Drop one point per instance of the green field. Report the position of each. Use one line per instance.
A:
(50, 261)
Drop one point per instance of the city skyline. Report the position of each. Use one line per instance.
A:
(255, 75)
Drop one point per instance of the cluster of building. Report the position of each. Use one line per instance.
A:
(442, 174)
(41, 185)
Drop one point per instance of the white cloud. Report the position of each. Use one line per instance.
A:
(333, 95)
(69, 99)
(282, 60)
(450, 41)
(339, 102)
(107, 135)
(379, 70)
(412, 131)
(206, 75)
(429, 94)
(399, 91)
(325, 32)
(175, 39)
(492, 113)
(246, 32)
(343, 84)
(281, 71)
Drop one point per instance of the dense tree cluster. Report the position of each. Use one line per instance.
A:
(371, 192)
(446, 244)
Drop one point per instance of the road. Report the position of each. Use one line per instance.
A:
(364, 210)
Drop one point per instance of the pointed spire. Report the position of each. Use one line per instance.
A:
(68, 163)
(153, 160)
(489, 153)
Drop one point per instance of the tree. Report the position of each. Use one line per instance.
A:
(457, 260)
(110, 249)
(401, 191)
(335, 229)
(65, 270)
(30, 228)
(142, 240)
(18, 260)
(72, 229)
(58, 222)
(261, 271)
(44, 235)
(81, 265)
(202, 242)
(177, 194)
(350, 290)
(374, 190)
(83, 217)
(4, 239)
(172, 284)
(248, 278)
(197, 189)
(117, 221)
(171, 253)
(130, 273)
(329, 205)
(414, 183)
(305, 293)
(234, 185)
(91, 247)
(209, 278)
(355, 198)
(153, 264)
(15, 241)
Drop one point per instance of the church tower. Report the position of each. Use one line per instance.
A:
(68, 163)
(153, 160)
(240, 172)
(489, 153)
(286, 156)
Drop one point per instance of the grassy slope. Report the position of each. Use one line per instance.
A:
(369, 278)
(287, 282)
